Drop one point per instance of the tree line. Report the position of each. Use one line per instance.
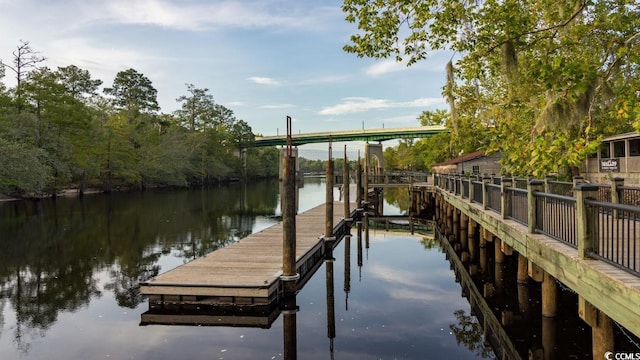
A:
(541, 82)
(57, 131)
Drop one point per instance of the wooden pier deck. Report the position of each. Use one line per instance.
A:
(247, 272)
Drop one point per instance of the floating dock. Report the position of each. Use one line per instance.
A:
(248, 272)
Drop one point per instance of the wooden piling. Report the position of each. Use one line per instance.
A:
(328, 232)
(499, 255)
(359, 191)
(549, 296)
(289, 275)
(523, 270)
(346, 185)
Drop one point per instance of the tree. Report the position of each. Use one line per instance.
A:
(78, 82)
(198, 110)
(134, 93)
(24, 59)
(527, 81)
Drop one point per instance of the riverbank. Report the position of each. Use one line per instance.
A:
(63, 193)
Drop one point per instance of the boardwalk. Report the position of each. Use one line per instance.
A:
(247, 272)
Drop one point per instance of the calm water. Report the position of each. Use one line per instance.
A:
(69, 275)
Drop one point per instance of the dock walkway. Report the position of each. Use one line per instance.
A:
(247, 272)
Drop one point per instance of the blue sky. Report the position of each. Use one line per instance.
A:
(263, 59)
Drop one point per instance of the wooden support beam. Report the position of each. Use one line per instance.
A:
(535, 272)
(601, 328)
(549, 296)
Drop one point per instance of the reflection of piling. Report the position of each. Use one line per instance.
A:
(549, 337)
(289, 328)
(289, 275)
(359, 241)
(347, 269)
(331, 314)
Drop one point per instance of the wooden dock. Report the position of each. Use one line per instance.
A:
(247, 272)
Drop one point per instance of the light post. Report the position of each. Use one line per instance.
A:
(461, 153)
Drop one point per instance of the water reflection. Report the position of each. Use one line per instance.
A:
(69, 273)
(53, 253)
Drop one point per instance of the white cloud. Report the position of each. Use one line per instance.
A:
(329, 79)
(277, 106)
(198, 15)
(237, 103)
(362, 104)
(264, 80)
(385, 67)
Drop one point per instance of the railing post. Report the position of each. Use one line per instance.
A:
(585, 219)
(485, 193)
(532, 187)
(616, 183)
(471, 188)
(577, 180)
(547, 184)
(505, 198)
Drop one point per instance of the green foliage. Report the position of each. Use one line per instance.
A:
(56, 133)
(134, 93)
(540, 81)
(24, 168)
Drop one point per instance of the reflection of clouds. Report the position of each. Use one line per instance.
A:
(409, 285)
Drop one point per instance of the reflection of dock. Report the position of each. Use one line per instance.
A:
(208, 315)
(247, 272)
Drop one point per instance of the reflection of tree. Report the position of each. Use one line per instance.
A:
(430, 243)
(51, 250)
(127, 279)
(39, 294)
(469, 333)
(398, 197)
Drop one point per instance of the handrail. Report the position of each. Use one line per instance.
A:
(611, 228)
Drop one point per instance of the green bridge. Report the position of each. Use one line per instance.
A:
(353, 135)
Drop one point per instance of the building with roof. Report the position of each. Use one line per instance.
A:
(618, 156)
(477, 163)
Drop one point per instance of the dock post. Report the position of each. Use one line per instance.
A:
(289, 275)
(345, 187)
(329, 239)
(359, 182)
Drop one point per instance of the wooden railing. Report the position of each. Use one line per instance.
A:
(601, 221)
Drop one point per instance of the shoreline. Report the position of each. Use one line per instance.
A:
(62, 193)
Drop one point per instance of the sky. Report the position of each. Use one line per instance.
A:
(263, 59)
